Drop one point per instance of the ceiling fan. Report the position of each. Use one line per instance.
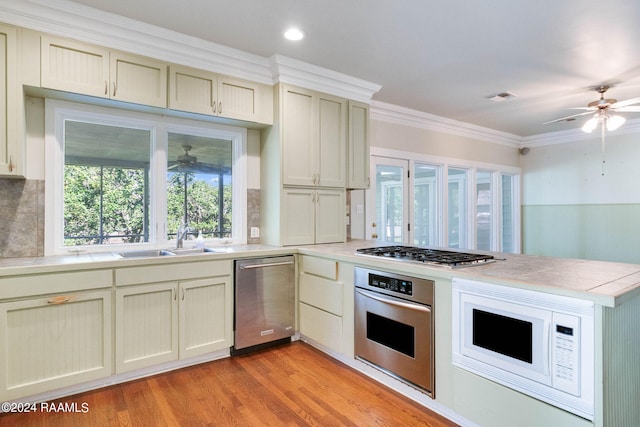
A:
(602, 113)
(188, 163)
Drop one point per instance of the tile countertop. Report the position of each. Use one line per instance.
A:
(605, 283)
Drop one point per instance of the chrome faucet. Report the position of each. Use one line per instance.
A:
(183, 230)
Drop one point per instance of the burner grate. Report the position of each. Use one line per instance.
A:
(426, 255)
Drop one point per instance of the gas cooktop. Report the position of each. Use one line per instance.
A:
(449, 259)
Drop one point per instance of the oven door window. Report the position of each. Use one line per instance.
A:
(392, 334)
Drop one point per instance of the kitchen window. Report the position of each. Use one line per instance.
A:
(120, 179)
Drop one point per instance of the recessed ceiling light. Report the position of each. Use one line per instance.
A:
(293, 34)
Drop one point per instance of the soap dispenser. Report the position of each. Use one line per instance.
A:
(200, 240)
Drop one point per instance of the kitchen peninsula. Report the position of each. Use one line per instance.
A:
(33, 288)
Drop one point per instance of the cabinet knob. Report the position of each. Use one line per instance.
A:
(373, 224)
(374, 236)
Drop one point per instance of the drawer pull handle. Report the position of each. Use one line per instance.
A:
(59, 300)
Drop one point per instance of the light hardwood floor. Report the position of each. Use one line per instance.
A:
(290, 385)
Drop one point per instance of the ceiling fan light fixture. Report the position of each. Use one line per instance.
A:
(614, 122)
(590, 124)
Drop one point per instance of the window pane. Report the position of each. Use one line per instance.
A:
(425, 205)
(199, 185)
(390, 203)
(483, 210)
(105, 184)
(457, 207)
(508, 227)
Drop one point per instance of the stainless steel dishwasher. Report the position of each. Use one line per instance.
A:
(264, 295)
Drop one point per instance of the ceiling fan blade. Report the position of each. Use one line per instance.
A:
(625, 103)
(561, 119)
(629, 109)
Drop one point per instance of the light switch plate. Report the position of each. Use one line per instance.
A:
(255, 232)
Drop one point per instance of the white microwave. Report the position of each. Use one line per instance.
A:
(537, 343)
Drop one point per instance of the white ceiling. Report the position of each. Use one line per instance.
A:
(439, 57)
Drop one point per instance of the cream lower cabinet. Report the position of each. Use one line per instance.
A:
(313, 216)
(54, 341)
(77, 67)
(206, 316)
(202, 92)
(166, 321)
(321, 302)
(146, 325)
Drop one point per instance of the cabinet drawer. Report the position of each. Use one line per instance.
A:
(320, 267)
(52, 283)
(321, 293)
(320, 326)
(172, 271)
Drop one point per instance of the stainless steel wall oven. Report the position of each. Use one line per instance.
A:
(394, 328)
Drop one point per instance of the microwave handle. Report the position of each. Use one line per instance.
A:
(406, 305)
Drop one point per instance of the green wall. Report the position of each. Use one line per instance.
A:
(607, 232)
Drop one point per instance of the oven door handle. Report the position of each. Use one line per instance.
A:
(407, 305)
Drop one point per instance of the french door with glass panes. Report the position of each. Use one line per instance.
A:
(387, 201)
(406, 200)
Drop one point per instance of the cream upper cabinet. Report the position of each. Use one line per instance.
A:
(313, 138)
(54, 341)
(202, 92)
(358, 143)
(313, 216)
(11, 106)
(96, 71)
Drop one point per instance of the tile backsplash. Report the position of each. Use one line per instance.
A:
(22, 217)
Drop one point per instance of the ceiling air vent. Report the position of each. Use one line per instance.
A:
(502, 96)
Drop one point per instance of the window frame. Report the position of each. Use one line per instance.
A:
(442, 165)
(57, 112)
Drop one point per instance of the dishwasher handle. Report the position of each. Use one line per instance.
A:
(270, 264)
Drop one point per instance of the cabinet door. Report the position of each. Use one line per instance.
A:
(54, 342)
(192, 90)
(298, 216)
(358, 143)
(243, 100)
(74, 67)
(330, 216)
(137, 79)
(205, 316)
(146, 325)
(11, 100)
(332, 135)
(299, 145)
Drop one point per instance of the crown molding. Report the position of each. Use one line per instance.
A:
(408, 117)
(310, 76)
(67, 19)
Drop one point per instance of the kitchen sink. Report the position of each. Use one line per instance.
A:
(191, 251)
(145, 253)
(152, 253)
